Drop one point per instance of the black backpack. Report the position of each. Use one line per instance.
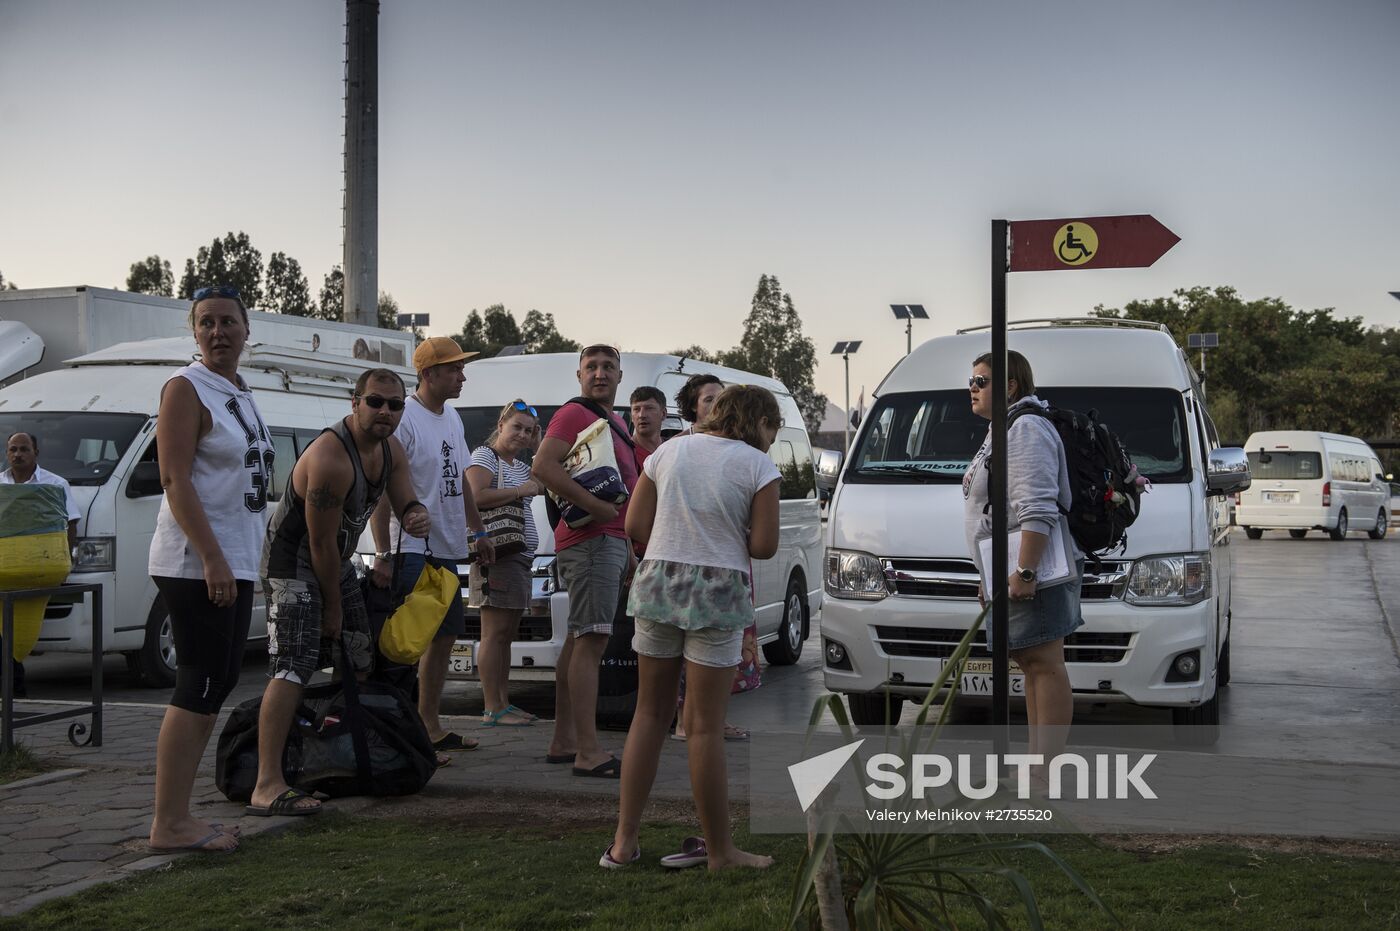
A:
(1104, 495)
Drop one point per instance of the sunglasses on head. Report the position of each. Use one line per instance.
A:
(525, 408)
(978, 381)
(376, 402)
(221, 290)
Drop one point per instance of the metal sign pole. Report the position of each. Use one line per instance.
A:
(1000, 572)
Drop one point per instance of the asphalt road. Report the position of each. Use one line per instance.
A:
(1315, 642)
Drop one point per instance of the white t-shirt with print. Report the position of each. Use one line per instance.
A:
(438, 457)
(704, 499)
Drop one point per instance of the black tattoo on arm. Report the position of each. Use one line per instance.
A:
(323, 499)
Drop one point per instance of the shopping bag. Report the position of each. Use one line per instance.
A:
(592, 462)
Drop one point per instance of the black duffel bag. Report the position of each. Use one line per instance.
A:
(617, 672)
(347, 738)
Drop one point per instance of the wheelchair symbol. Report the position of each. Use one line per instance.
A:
(1075, 249)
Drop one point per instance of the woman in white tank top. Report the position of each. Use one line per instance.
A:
(216, 461)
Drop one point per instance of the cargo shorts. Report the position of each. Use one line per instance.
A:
(295, 647)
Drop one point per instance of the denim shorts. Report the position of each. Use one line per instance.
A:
(1052, 614)
(707, 646)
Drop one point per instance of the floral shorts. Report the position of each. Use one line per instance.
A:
(691, 597)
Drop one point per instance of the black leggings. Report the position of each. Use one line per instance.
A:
(209, 641)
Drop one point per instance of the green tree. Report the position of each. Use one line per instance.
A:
(473, 335)
(501, 328)
(1278, 368)
(773, 345)
(232, 261)
(389, 313)
(287, 290)
(331, 305)
(698, 353)
(151, 275)
(540, 334)
(7, 285)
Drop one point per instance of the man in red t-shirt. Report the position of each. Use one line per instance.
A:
(593, 561)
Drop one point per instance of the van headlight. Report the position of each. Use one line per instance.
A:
(546, 570)
(851, 574)
(95, 554)
(1169, 580)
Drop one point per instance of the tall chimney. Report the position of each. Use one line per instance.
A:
(361, 222)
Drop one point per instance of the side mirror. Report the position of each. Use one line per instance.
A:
(144, 480)
(1390, 476)
(1229, 471)
(828, 467)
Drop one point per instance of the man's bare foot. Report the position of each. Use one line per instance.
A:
(738, 858)
(592, 760)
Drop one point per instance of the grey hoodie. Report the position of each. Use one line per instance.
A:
(1037, 485)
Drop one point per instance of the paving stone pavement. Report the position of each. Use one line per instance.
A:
(89, 824)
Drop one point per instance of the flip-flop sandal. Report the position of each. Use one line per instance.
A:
(560, 757)
(521, 712)
(199, 846)
(442, 759)
(734, 732)
(693, 853)
(285, 805)
(607, 862)
(493, 719)
(231, 830)
(452, 743)
(612, 769)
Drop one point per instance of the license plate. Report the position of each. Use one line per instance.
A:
(977, 678)
(461, 659)
(1280, 497)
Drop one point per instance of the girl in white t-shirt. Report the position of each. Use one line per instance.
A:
(704, 505)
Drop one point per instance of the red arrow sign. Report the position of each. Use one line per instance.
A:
(1088, 242)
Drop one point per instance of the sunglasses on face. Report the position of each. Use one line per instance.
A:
(525, 408)
(978, 381)
(222, 290)
(376, 402)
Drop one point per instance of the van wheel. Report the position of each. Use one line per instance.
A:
(1378, 532)
(1222, 666)
(1340, 533)
(1254, 533)
(1197, 726)
(1297, 534)
(154, 663)
(788, 647)
(869, 710)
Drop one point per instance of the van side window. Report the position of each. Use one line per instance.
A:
(285, 444)
(793, 455)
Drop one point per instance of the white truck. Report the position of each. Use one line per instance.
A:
(92, 396)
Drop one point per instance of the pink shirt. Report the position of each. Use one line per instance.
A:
(566, 424)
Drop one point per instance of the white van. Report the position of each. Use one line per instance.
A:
(788, 591)
(96, 420)
(1313, 481)
(901, 588)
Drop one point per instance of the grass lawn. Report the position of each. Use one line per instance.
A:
(345, 872)
(18, 764)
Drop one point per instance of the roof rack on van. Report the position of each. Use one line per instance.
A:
(1075, 321)
(290, 362)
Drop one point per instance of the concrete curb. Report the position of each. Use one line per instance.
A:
(43, 779)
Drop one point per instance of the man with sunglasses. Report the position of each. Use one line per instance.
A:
(315, 605)
(434, 439)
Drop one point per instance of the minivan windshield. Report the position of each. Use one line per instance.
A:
(82, 447)
(931, 436)
(481, 421)
(1284, 464)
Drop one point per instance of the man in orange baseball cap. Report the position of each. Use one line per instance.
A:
(434, 438)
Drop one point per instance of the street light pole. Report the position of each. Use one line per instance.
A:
(909, 313)
(844, 349)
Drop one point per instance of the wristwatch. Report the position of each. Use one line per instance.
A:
(387, 554)
(1026, 575)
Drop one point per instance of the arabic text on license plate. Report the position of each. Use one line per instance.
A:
(977, 678)
(460, 660)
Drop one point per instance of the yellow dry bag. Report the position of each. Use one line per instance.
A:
(33, 553)
(410, 629)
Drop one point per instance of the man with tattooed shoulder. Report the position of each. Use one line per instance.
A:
(314, 602)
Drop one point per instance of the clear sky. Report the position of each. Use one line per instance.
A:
(633, 167)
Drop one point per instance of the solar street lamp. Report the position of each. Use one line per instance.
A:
(909, 313)
(1203, 341)
(844, 350)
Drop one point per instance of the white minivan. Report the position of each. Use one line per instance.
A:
(1313, 481)
(788, 593)
(95, 419)
(901, 588)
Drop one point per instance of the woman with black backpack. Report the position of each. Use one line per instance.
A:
(1047, 565)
